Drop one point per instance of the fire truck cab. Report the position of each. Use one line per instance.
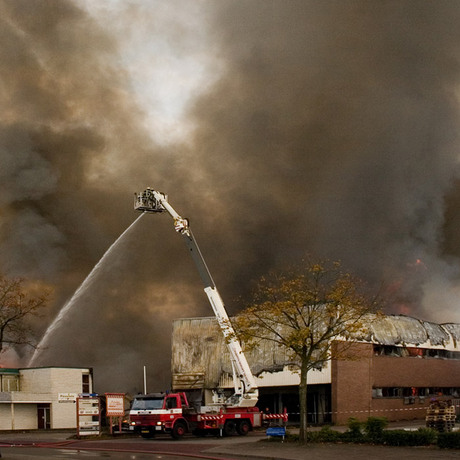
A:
(159, 413)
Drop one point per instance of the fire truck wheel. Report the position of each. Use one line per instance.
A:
(179, 430)
(243, 428)
(229, 428)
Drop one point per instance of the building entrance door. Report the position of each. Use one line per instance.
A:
(44, 416)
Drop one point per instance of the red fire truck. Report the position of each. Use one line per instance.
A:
(172, 413)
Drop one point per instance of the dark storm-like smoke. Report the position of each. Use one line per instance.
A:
(73, 152)
(338, 122)
(332, 129)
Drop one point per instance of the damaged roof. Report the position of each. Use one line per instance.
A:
(406, 331)
(198, 341)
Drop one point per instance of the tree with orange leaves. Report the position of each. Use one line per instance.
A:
(17, 305)
(304, 310)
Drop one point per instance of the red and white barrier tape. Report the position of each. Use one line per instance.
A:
(274, 416)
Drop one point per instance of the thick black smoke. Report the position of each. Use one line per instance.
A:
(73, 152)
(338, 124)
(332, 129)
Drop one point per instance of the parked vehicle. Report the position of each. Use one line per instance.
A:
(172, 413)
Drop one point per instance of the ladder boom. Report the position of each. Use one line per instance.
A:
(246, 392)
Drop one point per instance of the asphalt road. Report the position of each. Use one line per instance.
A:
(33, 453)
(286, 452)
(35, 445)
(30, 446)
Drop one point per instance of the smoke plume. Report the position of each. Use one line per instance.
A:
(331, 128)
(338, 122)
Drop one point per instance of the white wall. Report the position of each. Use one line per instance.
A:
(25, 417)
(5, 416)
(47, 383)
(287, 377)
(43, 385)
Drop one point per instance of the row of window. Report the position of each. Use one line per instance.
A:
(10, 383)
(415, 352)
(421, 392)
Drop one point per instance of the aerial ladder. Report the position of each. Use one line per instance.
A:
(245, 387)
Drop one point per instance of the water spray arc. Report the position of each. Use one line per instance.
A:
(84, 286)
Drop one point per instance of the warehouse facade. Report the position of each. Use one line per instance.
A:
(393, 370)
(41, 398)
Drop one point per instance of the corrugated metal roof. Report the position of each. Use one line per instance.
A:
(405, 330)
(454, 330)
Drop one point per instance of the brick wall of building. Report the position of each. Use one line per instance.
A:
(415, 372)
(359, 371)
(351, 383)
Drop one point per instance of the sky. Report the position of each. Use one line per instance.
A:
(278, 128)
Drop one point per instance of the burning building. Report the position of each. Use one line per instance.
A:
(394, 370)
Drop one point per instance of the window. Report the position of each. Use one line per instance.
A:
(148, 403)
(412, 392)
(9, 383)
(171, 403)
(415, 352)
(86, 387)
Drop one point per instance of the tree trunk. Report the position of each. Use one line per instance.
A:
(303, 404)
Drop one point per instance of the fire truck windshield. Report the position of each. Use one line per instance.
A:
(150, 403)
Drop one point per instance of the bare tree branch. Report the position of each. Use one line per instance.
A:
(17, 304)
